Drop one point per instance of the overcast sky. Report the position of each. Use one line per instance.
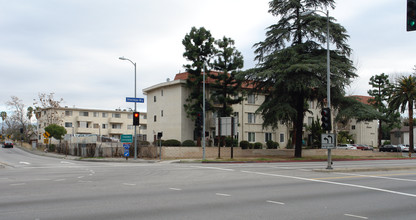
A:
(71, 48)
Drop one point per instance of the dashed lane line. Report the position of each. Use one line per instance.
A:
(356, 216)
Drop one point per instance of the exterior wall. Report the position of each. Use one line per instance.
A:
(212, 152)
(364, 132)
(104, 123)
(166, 112)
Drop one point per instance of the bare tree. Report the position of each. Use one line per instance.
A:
(47, 103)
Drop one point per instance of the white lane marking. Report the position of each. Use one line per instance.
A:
(23, 162)
(129, 184)
(83, 181)
(380, 177)
(175, 189)
(80, 177)
(356, 216)
(214, 168)
(59, 180)
(17, 184)
(274, 202)
(334, 183)
(222, 194)
(66, 162)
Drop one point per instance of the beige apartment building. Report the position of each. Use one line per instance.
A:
(165, 108)
(80, 121)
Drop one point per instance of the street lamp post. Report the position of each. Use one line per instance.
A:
(328, 78)
(135, 105)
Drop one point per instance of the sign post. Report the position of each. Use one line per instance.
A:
(328, 142)
(126, 139)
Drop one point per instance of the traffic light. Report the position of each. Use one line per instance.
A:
(411, 15)
(199, 121)
(326, 119)
(136, 118)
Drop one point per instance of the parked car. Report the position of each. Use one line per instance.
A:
(403, 147)
(8, 144)
(364, 147)
(347, 147)
(390, 148)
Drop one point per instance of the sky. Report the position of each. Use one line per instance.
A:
(71, 48)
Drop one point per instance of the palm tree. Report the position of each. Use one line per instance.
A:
(404, 95)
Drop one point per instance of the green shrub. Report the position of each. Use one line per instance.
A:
(244, 144)
(229, 141)
(52, 148)
(272, 145)
(143, 143)
(171, 142)
(189, 143)
(258, 145)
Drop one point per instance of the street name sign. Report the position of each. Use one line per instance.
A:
(327, 141)
(130, 99)
(126, 138)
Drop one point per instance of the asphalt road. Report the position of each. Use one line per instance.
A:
(39, 188)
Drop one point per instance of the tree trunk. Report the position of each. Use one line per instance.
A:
(299, 127)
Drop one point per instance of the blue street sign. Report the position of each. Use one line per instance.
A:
(130, 99)
(126, 150)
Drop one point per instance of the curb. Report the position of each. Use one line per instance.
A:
(367, 169)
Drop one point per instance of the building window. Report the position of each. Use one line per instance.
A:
(236, 117)
(251, 118)
(161, 92)
(154, 98)
(83, 124)
(105, 115)
(310, 121)
(282, 138)
(116, 126)
(116, 115)
(353, 127)
(95, 114)
(154, 118)
(268, 137)
(130, 127)
(251, 99)
(144, 116)
(68, 124)
(83, 114)
(130, 116)
(96, 126)
(251, 137)
(104, 126)
(68, 113)
(161, 113)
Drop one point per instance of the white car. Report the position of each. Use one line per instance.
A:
(347, 146)
(405, 148)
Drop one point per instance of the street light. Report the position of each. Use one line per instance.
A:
(328, 79)
(135, 105)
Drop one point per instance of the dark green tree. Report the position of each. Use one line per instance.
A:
(226, 86)
(381, 91)
(292, 63)
(199, 47)
(56, 131)
(403, 98)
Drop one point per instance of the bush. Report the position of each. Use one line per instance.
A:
(272, 145)
(258, 145)
(52, 148)
(171, 142)
(189, 143)
(229, 141)
(143, 143)
(244, 144)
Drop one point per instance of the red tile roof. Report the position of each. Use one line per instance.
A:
(363, 99)
(184, 76)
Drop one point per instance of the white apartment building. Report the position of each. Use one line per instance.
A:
(165, 109)
(105, 123)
